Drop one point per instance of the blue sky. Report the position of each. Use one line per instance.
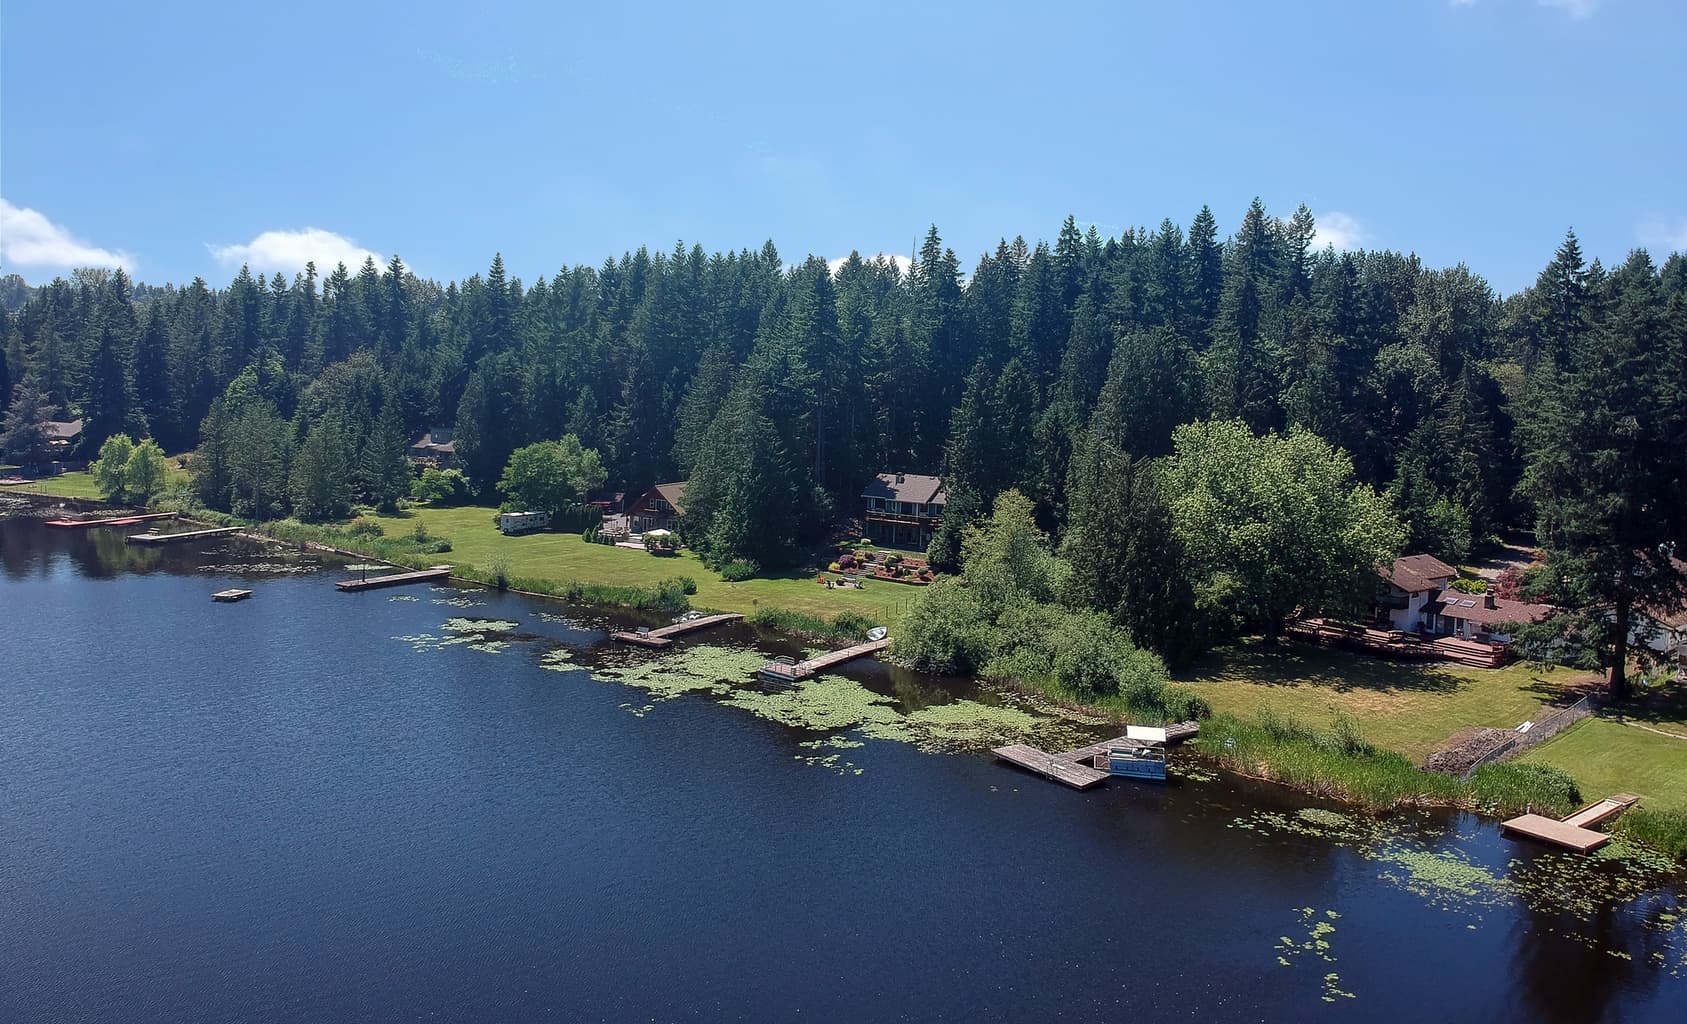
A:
(180, 138)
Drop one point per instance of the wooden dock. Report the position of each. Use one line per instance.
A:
(395, 579)
(1051, 766)
(88, 524)
(1575, 831)
(781, 672)
(177, 538)
(664, 635)
(231, 595)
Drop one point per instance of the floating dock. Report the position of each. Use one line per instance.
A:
(396, 579)
(1084, 767)
(1058, 767)
(88, 524)
(176, 538)
(231, 595)
(777, 671)
(663, 636)
(1575, 831)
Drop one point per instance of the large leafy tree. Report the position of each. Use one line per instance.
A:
(550, 475)
(1607, 460)
(1274, 524)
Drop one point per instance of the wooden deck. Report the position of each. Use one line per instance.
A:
(819, 664)
(231, 595)
(88, 524)
(664, 635)
(1051, 766)
(397, 579)
(177, 538)
(1573, 832)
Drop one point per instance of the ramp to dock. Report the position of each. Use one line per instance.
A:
(1600, 810)
(178, 538)
(1574, 832)
(663, 636)
(397, 579)
(89, 524)
(1059, 767)
(820, 663)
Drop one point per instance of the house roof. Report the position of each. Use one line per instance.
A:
(1413, 573)
(673, 494)
(922, 490)
(63, 430)
(1474, 608)
(437, 440)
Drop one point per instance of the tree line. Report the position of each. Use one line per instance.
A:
(1050, 370)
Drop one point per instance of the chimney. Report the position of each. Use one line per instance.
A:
(1488, 600)
(899, 478)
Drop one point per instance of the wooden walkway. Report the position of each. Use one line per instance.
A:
(177, 538)
(88, 524)
(663, 636)
(814, 666)
(1573, 832)
(1051, 766)
(397, 579)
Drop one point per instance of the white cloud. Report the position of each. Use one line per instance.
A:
(1663, 236)
(28, 238)
(902, 262)
(1576, 9)
(289, 251)
(1338, 229)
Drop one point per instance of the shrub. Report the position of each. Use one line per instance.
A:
(738, 570)
(363, 526)
(1469, 586)
(440, 487)
(845, 561)
(836, 567)
(686, 584)
(1514, 785)
(944, 632)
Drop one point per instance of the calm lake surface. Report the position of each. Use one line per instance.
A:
(315, 806)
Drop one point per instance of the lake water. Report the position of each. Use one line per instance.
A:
(315, 806)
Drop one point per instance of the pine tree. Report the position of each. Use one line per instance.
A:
(154, 388)
(321, 483)
(1605, 463)
(383, 470)
(110, 406)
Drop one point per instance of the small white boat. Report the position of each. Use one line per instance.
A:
(877, 633)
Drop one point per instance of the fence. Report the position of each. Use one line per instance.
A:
(1540, 732)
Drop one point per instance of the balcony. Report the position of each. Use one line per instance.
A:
(902, 519)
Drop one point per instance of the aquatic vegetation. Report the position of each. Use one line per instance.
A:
(700, 669)
(1319, 929)
(422, 642)
(471, 625)
(488, 646)
(560, 659)
(1446, 879)
(264, 568)
(403, 597)
(459, 602)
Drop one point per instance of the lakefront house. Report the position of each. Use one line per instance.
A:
(903, 510)
(1420, 599)
(658, 508)
(437, 447)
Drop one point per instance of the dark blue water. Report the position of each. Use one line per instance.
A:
(275, 811)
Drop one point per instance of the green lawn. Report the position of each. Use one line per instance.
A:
(1412, 708)
(1404, 706)
(1609, 757)
(81, 485)
(475, 540)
